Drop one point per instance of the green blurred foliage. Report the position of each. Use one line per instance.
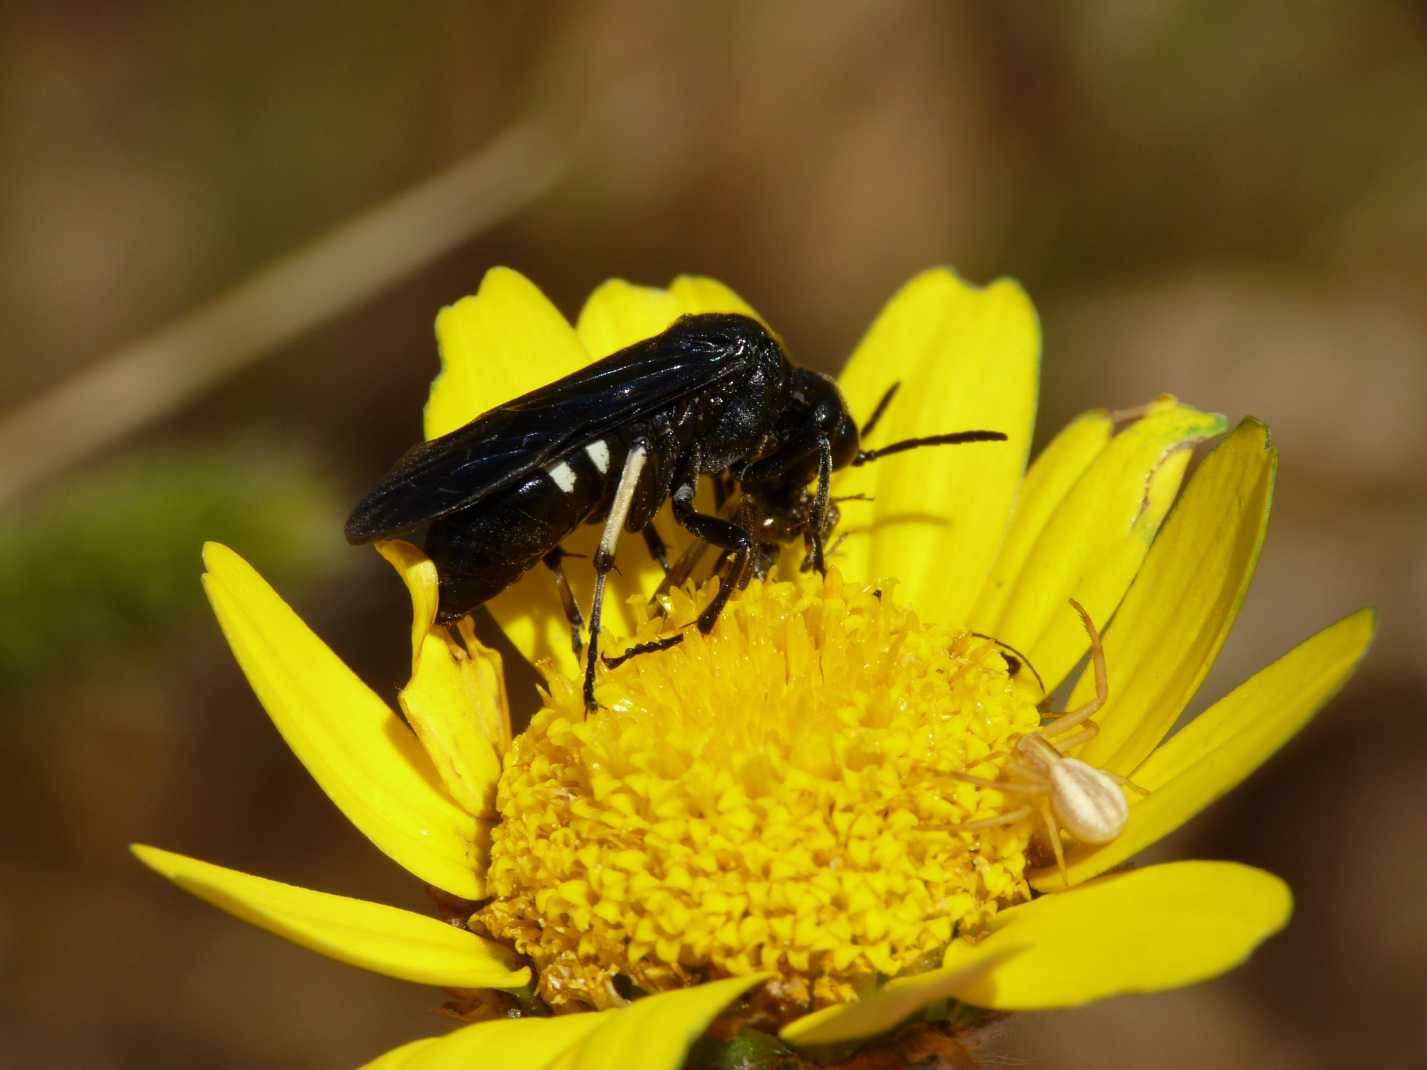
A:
(110, 558)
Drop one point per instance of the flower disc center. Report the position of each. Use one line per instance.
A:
(772, 797)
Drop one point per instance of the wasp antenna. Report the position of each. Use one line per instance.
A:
(880, 409)
(953, 438)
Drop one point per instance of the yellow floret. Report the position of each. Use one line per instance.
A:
(774, 796)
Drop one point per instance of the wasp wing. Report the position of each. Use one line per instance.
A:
(504, 445)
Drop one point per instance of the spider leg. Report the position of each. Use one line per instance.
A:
(1053, 831)
(1010, 817)
(1074, 718)
(1088, 731)
(1001, 785)
(1024, 770)
(1125, 782)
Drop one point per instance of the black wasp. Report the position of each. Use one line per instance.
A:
(712, 395)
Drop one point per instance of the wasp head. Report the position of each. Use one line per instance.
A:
(817, 403)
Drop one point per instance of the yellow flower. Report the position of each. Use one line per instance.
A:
(806, 816)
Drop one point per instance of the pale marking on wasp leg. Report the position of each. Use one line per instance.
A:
(604, 556)
(623, 498)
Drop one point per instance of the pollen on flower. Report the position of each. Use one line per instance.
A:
(773, 797)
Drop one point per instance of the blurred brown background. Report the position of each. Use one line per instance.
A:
(1225, 201)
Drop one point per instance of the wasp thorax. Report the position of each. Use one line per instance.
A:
(1090, 805)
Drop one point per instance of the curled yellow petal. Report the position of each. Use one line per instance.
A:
(397, 943)
(504, 341)
(354, 746)
(1092, 546)
(440, 703)
(1227, 742)
(1152, 929)
(486, 669)
(418, 573)
(656, 1032)
(967, 358)
(890, 1005)
(1054, 472)
(507, 1044)
(455, 700)
(1176, 616)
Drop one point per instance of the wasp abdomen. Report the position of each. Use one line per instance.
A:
(481, 551)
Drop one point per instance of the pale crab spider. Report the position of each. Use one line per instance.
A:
(1087, 802)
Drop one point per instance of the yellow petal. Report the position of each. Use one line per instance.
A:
(891, 1004)
(699, 293)
(506, 1044)
(1096, 540)
(1178, 613)
(1227, 742)
(354, 746)
(655, 1033)
(503, 342)
(374, 936)
(402, 1058)
(440, 704)
(1152, 929)
(967, 358)
(619, 313)
(1052, 475)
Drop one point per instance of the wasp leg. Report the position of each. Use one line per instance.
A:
(604, 556)
(721, 533)
(655, 542)
(676, 576)
(722, 490)
(554, 562)
(819, 525)
(734, 570)
(777, 466)
(654, 646)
